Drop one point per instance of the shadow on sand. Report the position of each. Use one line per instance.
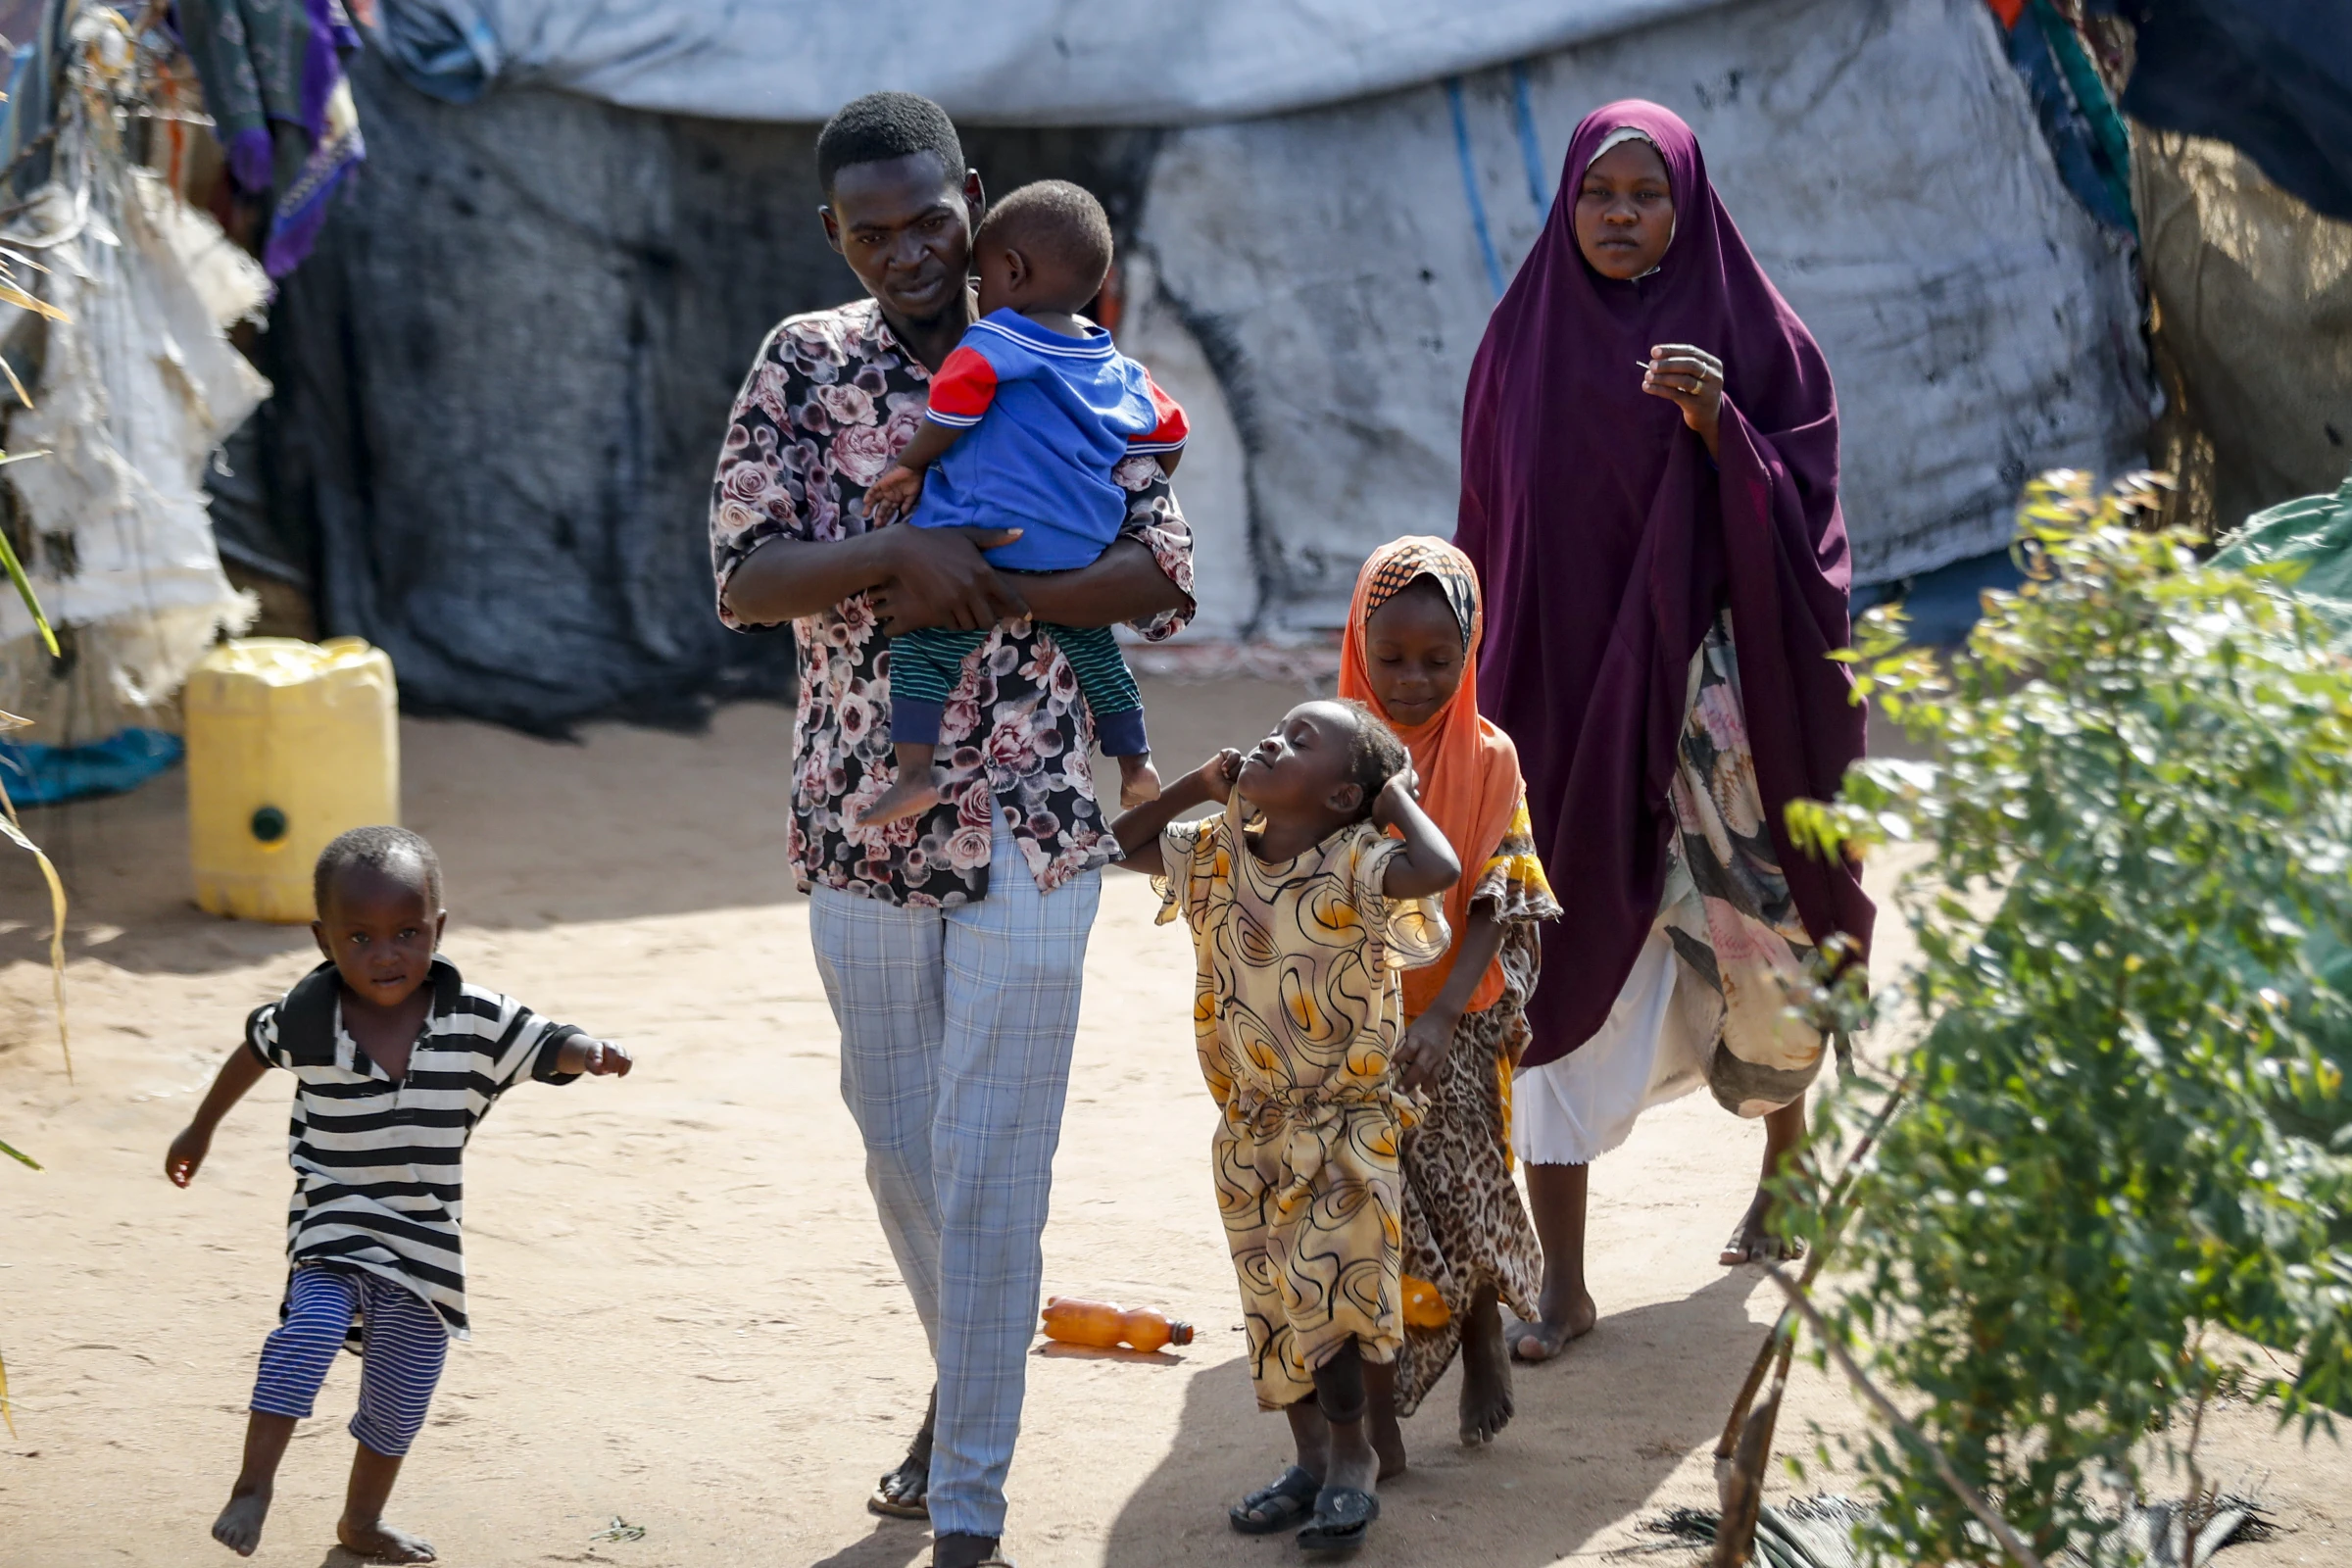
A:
(894, 1544)
(1596, 1432)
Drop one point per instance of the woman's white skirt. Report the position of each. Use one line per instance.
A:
(1572, 1110)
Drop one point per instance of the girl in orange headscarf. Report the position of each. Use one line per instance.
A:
(1411, 654)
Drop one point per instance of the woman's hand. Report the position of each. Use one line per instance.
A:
(938, 577)
(1218, 773)
(1421, 1053)
(1691, 379)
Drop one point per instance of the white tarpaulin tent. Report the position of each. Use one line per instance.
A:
(1006, 62)
(1880, 159)
(508, 470)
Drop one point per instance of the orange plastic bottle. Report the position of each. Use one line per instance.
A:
(1074, 1320)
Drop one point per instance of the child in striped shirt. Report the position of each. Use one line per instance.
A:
(395, 1060)
(1029, 418)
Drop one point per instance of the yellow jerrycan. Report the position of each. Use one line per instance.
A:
(289, 744)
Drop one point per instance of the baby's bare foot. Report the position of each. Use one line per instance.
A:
(378, 1542)
(908, 797)
(239, 1527)
(1139, 782)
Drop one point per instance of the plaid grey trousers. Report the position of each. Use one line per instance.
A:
(956, 1033)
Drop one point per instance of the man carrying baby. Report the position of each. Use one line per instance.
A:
(952, 942)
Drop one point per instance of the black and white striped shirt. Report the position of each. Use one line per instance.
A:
(378, 1173)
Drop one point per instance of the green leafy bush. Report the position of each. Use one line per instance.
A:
(2116, 1182)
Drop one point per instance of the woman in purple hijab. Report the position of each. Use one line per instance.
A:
(1649, 490)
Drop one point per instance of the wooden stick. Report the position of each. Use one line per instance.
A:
(1783, 1329)
(1968, 1495)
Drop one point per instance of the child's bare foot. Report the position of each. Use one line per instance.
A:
(1139, 782)
(908, 797)
(1557, 1323)
(1487, 1406)
(239, 1527)
(378, 1542)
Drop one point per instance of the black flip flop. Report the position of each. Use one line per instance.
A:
(1344, 1515)
(1275, 1507)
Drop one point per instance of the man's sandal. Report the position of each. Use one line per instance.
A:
(903, 1492)
(1344, 1515)
(1275, 1507)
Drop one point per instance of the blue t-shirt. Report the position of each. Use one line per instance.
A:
(1049, 417)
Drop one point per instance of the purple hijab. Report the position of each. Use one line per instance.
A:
(1606, 542)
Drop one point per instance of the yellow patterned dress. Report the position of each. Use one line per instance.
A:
(1296, 1013)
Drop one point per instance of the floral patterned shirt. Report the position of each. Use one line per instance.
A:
(830, 400)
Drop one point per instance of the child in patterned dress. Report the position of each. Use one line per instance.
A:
(1303, 910)
(1411, 654)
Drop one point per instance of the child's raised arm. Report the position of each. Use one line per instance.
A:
(1427, 865)
(239, 1073)
(1138, 831)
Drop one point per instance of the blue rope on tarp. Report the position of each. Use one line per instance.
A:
(1478, 203)
(1530, 151)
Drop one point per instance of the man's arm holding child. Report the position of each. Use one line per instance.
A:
(1427, 865)
(238, 1074)
(1138, 831)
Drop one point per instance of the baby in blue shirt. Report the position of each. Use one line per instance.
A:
(1028, 418)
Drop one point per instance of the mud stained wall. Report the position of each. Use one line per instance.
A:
(504, 376)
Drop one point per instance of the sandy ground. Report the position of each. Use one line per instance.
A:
(686, 1317)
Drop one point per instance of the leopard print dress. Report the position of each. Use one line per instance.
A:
(1464, 1224)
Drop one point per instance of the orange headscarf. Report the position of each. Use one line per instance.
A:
(1469, 770)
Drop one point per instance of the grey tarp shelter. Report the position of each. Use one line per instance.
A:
(504, 375)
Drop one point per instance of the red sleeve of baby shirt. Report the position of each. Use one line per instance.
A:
(963, 390)
(1168, 435)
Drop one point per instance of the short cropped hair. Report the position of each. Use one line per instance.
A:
(1375, 754)
(379, 849)
(1053, 218)
(882, 125)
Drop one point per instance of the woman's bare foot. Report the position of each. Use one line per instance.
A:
(1487, 1406)
(1755, 1242)
(910, 795)
(239, 1527)
(1139, 782)
(378, 1542)
(1556, 1326)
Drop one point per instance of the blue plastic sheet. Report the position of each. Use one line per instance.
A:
(2271, 77)
(46, 775)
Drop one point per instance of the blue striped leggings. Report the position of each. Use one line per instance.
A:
(404, 1342)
